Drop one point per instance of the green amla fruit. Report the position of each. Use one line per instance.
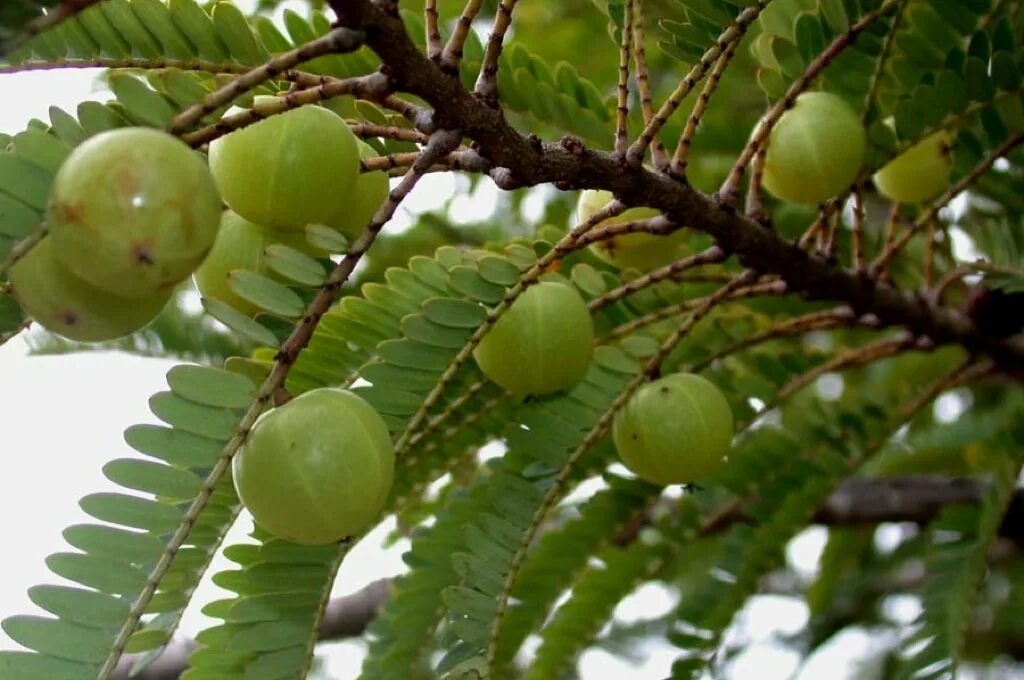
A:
(631, 251)
(240, 245)
(317, 469)
(64, 304)
(674, 430)
(920, 172)
(815, 150)
(541, 344)
(133, 211)
(292, 169)
(371, 190)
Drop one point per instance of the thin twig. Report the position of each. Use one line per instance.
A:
(842, 361)
(730, 188)
(764, 288)
(124, 63)
(929, 252)
(797, 325)
(452, 53)
(712, 255)
(432, 30)
(369, 86)
(857, 237)
(462, 159)
(622, 104)
(969, 369)
(422, 119)
(659, 156)
(22, 248)
(754, 207)
(657, 226)
(338, 41)
(681, 157)
(487, 81)
(65, 10)
(368, 130)
(733, 34)
(876, 77)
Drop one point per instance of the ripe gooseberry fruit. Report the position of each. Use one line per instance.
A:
(133, 211)
(541, 344)
(920, 172)
(674, 430)
(815, 149)
(317, 469)
(641, 250)
(240, 245)
(292, 169)
(63, 303)
(371, 190)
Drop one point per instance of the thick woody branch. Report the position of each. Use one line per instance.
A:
(345, 617)
(571, 164)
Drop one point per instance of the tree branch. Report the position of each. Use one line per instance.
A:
(346, 617)
(518, 161)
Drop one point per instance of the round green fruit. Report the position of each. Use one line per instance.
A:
(815, 150)
(240, 245)
(292, 169)
(542, 344)
(372, 189)
(64, 304)
(133, 211)
(631, 251)
(674, 430)
(317, 469)
(920, 172)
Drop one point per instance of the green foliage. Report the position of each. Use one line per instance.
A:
(518, 545)
(112, 560)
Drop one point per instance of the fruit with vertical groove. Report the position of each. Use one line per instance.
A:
(64, 304)
(133, 211)
(815, 150)
(292, 169)
(675, 430)
(317, 469)
(541, 344)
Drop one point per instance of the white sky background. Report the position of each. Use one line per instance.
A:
(62, 422)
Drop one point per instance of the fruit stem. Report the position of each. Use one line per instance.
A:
(22, 248)
(733, 33)
(487, 80)
(337, 41)
(622, 104)
(659, 156)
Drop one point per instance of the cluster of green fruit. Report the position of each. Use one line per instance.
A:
(320, 467)
(134, 211)
(816, 151)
